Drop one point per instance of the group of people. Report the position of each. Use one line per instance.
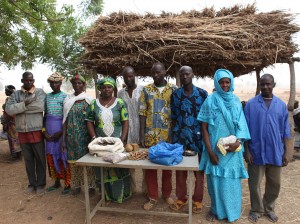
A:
(190, 117)
(158, 112)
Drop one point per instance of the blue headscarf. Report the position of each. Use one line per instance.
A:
(226, 101)
(227, 97)
(223, 102)
(220, 74)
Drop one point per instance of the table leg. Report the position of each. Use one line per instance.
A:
(87, 197)
(190, 184)
(102, 186)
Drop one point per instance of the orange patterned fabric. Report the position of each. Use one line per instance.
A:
(65, 175)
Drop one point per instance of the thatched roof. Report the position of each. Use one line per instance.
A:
(236, 38)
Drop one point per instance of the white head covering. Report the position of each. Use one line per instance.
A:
(71, 99)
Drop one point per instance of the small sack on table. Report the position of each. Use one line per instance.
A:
(115, 157)
(105, 145)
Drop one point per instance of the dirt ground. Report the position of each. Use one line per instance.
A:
(53, 208)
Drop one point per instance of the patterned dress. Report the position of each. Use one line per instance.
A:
(223, 113)
(56, 159)
(77, 140)
(108, 123)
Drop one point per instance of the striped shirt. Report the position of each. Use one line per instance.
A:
(54, 103)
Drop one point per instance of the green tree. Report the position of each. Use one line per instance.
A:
(37, 31)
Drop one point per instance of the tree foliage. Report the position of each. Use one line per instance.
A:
(40, 31)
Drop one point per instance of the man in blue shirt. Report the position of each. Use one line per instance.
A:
(185, 106)
(265, 153)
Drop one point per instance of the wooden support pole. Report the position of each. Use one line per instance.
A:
(257, 71)
(178, 80)
(292, 86)
(95, 77)
(291, 141)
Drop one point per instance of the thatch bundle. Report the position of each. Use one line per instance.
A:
(236, 38)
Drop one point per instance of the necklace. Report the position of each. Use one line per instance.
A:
(266, 98)
(106, 105)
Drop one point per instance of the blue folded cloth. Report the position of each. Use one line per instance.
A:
(166, 154)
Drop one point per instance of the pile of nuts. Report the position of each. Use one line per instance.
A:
(138, 155)
(134, 152)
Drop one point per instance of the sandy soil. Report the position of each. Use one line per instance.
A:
(53, 208)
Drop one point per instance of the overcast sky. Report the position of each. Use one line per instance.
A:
(280, 71)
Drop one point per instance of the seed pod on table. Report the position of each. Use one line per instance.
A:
(135, 147)
(128, 148)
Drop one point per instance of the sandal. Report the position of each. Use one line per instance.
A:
(50, 189)
(177, 205)
(66, 190)
(272, 217)
(169, 200)
(150, 204)
(253, 217)
(197, 207)
(210, 216)
(54, 187)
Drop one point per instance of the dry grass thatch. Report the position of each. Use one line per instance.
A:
(236, 38)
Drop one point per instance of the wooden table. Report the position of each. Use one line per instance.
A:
(189, 164)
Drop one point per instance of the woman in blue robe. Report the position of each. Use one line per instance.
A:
(221, 115)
